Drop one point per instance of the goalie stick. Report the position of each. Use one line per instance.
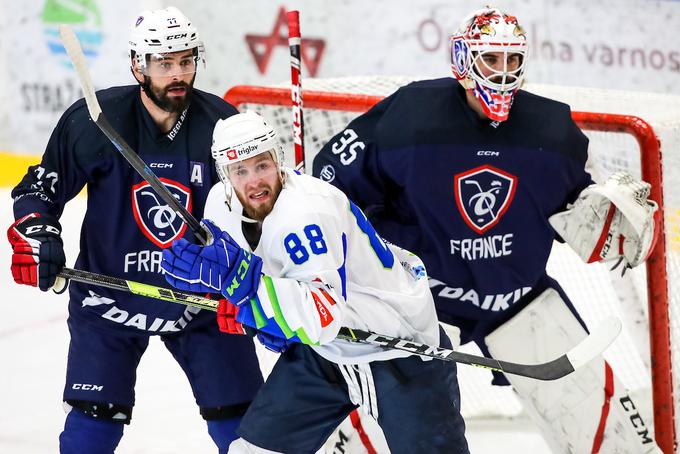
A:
(75, 53)
(594, 344)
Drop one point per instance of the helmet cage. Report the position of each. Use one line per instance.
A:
(484, 32)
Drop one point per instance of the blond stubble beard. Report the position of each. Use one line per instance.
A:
(262, 211)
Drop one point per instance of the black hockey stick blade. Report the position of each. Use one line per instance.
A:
(75, 53)
(582, 353)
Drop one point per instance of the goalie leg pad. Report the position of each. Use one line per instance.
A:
(588, 411)
(84, 434)
(241, 446)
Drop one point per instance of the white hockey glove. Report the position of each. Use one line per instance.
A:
(609, 221)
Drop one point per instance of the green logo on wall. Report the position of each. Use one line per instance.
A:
(83, 16)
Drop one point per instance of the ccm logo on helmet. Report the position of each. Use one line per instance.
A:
(178, 36)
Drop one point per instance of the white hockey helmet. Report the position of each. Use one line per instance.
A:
(485, 31)
(240, 137)
(163, 31)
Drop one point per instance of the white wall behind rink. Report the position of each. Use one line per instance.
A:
(630, 45)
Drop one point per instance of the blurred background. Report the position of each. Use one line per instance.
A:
(629, 45)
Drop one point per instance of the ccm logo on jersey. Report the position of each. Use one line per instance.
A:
(87, 387)
(483, 195)
(160, 165)
(488, 153)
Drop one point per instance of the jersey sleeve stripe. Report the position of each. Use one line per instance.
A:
(260, 319)
(274, 300)
(278, 315)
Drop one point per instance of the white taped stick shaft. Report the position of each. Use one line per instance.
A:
(75, 53)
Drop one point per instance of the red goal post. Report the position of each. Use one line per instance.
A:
(651, 171)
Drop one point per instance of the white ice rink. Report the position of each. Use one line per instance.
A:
(33, 349)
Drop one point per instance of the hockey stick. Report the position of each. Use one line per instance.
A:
(582, 353)
(294, 42)
(75, 53)
(137, 288)
(587, 349)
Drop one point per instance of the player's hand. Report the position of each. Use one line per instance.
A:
(37, 250)
(223, 267)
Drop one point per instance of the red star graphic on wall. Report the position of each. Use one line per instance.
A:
(262, 46)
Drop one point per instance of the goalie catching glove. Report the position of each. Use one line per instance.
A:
(614, 220)
(223, 266)
(37, 251)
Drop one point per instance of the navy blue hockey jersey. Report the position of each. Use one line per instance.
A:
(470, 197)
(127, 224)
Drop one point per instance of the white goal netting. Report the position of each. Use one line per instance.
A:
(595, 290)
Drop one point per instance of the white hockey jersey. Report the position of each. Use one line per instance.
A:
(325, 267)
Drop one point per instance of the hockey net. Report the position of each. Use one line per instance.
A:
(627, 131)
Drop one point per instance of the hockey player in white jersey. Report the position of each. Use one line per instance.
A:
(299, 262)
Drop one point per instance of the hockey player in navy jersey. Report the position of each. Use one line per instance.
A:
(300, 261)
(476, 176)
(126, 226)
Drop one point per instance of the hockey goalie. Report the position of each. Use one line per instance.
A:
(478, 178)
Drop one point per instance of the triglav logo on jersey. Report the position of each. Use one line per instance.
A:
(155, 218)
(483, 194)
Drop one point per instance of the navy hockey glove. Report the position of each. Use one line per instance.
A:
(37, 250)
(223, 266)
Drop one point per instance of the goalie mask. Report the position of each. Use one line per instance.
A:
(488, 56)
(241, 137)
(160, 32)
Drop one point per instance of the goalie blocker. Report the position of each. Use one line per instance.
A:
(610, 221)
(586, 411)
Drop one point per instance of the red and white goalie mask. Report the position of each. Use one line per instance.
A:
(488, 56)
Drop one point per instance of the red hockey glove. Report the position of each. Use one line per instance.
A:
(37, 250)
(226, 318)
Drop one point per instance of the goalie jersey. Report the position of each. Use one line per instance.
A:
(470, 197)
(127, 224)
(326, 267)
